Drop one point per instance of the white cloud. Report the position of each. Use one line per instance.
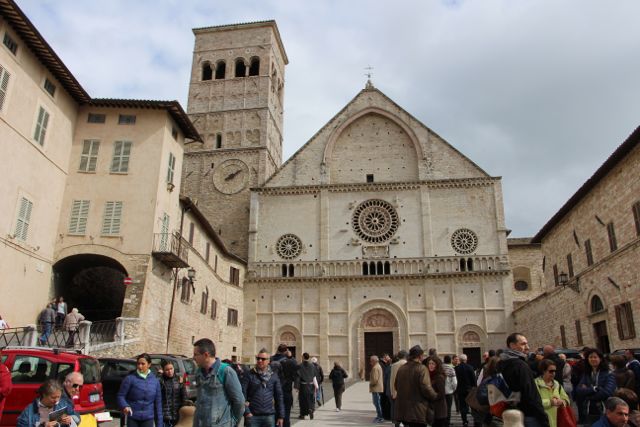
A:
(538, 92)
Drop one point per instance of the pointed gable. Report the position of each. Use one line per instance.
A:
(373, 138)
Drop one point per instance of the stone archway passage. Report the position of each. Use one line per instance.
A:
(94, 284)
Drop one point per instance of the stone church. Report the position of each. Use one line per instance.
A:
(375, 235)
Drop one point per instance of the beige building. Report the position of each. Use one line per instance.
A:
(590, 249)
(92, 195)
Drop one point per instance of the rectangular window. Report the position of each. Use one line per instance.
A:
(79, 216)
(579, 333)
(96, 118)
(112, 218)
(369, 177)
(588, 252)
(624, 318)
(204, 303)
(185, 295)
(214, 308)
(570, 265)
(4, 85)
(556, 279)
(611, 231)
(164, 232)
(121, 155)
(10, 43)
(171, 168)
(207, 251)
(89, 156)
(41, 126)
(232, 317)
(192, 229)
(234, 276)
(24, 218)
(218, 140)
(563, 337)
(49, 87)
(215, 264)
(636, 205)
(126, 119)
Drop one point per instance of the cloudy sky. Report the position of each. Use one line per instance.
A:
(539, 92)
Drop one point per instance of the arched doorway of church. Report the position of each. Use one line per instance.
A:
(379, 336)
(289, 339)
(94, 284)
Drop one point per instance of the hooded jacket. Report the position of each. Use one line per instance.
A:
(519, 377)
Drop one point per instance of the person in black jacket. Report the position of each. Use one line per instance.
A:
(287, 368)
(519, 377)
(263, 395)
(337, 376)
(466, 381)
(173, 394)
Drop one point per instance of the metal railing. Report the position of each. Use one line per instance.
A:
(14, 336)
(102, 331)
(171, 248)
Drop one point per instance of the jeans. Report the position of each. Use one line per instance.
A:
(260, 421)
(376, 402)
(139, 423)
(46, 331)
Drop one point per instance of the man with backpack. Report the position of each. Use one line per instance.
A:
(287, 368)
(519, 378)
(220, 398)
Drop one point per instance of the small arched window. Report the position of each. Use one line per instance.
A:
(463, 265)
(221, 68)
(379, 268)
(241, 68)
(596, 304)
(469, 264)
(291, 270)
(365, 269)
(387, 267)
(218, 140)
(207, 71)
(254, 68)
(284, 270)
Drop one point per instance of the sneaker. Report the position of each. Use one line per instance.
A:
(311, 416)
(337, 409)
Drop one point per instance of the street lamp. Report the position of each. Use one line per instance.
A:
(563, 280)
(191, 274)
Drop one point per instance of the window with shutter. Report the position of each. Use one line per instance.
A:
(570, 264)
(41, 126)
(611, 231)
(556, 277)
(121, 155)
(635, 208)
(563, 337)
(79, 216)
(171, 168)
(214, 308)
(232, 317)
(4, 85)
(10, 43)
(89, 156)
(579, 333)
(24, 218)
(164, 232)
(624, 319)
(112, 218)
(588, 252)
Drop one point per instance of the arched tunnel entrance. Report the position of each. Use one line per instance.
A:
(94, 284)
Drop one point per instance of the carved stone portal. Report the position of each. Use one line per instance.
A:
(471, 336)
(287, 338)
(379, 318)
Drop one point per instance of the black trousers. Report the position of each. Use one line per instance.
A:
(337, 395)
(288, 403)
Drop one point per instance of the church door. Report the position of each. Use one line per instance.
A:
(376, 343)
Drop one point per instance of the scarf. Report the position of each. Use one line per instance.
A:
(264, 376)
(143, 375)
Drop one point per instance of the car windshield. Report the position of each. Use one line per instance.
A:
(90, 369)
(189, 366)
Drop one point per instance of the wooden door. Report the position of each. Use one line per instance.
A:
(602, 336)
(473, 356)
(376, 343)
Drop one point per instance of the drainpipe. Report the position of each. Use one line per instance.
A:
(175, 276)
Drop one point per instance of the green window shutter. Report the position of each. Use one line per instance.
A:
(4, 85)
(24, 218)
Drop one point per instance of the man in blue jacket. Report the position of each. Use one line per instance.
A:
(220, 399)
(616, 415)
(263, 394)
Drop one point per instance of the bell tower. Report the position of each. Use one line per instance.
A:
(235, 101)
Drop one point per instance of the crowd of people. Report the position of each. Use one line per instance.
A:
(55, 316)
(513, 386)
(410, 389)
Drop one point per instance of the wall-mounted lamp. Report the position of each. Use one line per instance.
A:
(563, 280)
(191, 274)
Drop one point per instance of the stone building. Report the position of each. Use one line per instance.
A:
(590, 249)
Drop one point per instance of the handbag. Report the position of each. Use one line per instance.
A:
(566, 417)
(472, 401)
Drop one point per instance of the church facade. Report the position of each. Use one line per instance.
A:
(375, 236)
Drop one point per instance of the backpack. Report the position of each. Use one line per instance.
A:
(222, 372)
(500, 395)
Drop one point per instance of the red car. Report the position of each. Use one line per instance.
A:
(31, 366)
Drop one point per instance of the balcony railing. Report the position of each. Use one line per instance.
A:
(171, 249)
(379, 267)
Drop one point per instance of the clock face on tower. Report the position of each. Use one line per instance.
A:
(231, 176)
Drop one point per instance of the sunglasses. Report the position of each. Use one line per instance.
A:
(76, 385)
(262, 358)
(551, 371)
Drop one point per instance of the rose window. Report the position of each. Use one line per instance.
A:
(375, 221)
(289, 246)
(464, 241)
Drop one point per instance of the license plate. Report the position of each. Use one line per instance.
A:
(93, 398)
